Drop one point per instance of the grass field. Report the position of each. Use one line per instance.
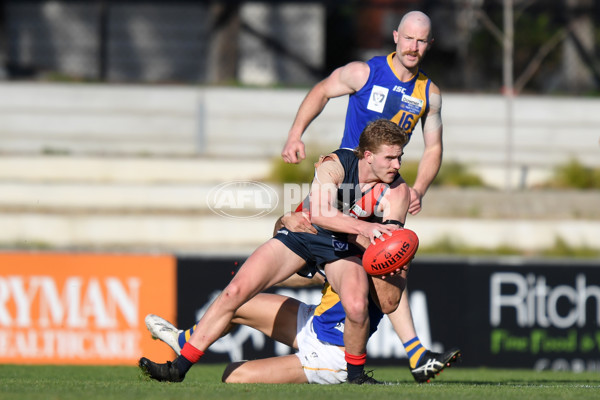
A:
(203, 382)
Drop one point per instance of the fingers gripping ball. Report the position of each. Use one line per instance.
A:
(390, 254)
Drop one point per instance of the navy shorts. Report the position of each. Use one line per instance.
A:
(317, 250)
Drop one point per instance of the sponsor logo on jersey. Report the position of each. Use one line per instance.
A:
(411, 104)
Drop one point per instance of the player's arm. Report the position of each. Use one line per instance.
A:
(342, 81)
(391, 209)
(432, 155)
(323, 198)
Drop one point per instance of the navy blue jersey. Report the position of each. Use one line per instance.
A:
(350, 199)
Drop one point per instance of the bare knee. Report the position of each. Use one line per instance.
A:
(234, 294)
(389, 292)
(389, 301)
(388, 306)
(356, 310)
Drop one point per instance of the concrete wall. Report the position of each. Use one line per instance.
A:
(137, 163)
(228, 122)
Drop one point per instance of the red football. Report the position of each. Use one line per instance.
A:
(390, 254)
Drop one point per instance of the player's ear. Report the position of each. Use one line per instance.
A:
(396, 37)
(368, 155)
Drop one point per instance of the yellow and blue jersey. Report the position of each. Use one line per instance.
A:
(329, 317)
(384, 95)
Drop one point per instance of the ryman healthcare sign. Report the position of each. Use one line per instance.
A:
(82, 309)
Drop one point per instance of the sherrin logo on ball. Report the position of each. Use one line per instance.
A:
(393, 253)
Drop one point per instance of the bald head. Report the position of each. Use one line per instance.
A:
(416, 18)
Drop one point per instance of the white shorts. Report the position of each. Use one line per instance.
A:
(322, 362)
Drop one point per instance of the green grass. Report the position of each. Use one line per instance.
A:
(203, 382)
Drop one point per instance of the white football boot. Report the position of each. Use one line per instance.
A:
(163, 330)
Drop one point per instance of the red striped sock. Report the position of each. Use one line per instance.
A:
(191, 353)
(360, 359)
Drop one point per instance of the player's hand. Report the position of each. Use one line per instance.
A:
(396, 272)
(373, 231)
(293, 151)
(415, 201)
(298, 222)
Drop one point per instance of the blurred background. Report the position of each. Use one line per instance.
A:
(118, 115)
(120, 119)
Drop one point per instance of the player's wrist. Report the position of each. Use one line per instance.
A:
(419, 192)
(393, 222)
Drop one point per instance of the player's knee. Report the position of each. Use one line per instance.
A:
(356, 309)
(389, 306)
(235, 293)
(389, 300)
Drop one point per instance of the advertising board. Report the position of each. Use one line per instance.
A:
(82, 308)
(510, 313)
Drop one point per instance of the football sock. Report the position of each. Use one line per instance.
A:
(415, 351)
(185, 336)
(182, 364)
(189, 356)
(191, 353)
(355, 365)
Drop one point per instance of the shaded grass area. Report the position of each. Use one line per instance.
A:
(203, 382)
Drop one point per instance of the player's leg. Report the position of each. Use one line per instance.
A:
(423, 364)
(394, 303)
(388, 292)
(272, 314)
(284, 369)
(402, 320)
(349, 280)
(393, 208)
(271, 263)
